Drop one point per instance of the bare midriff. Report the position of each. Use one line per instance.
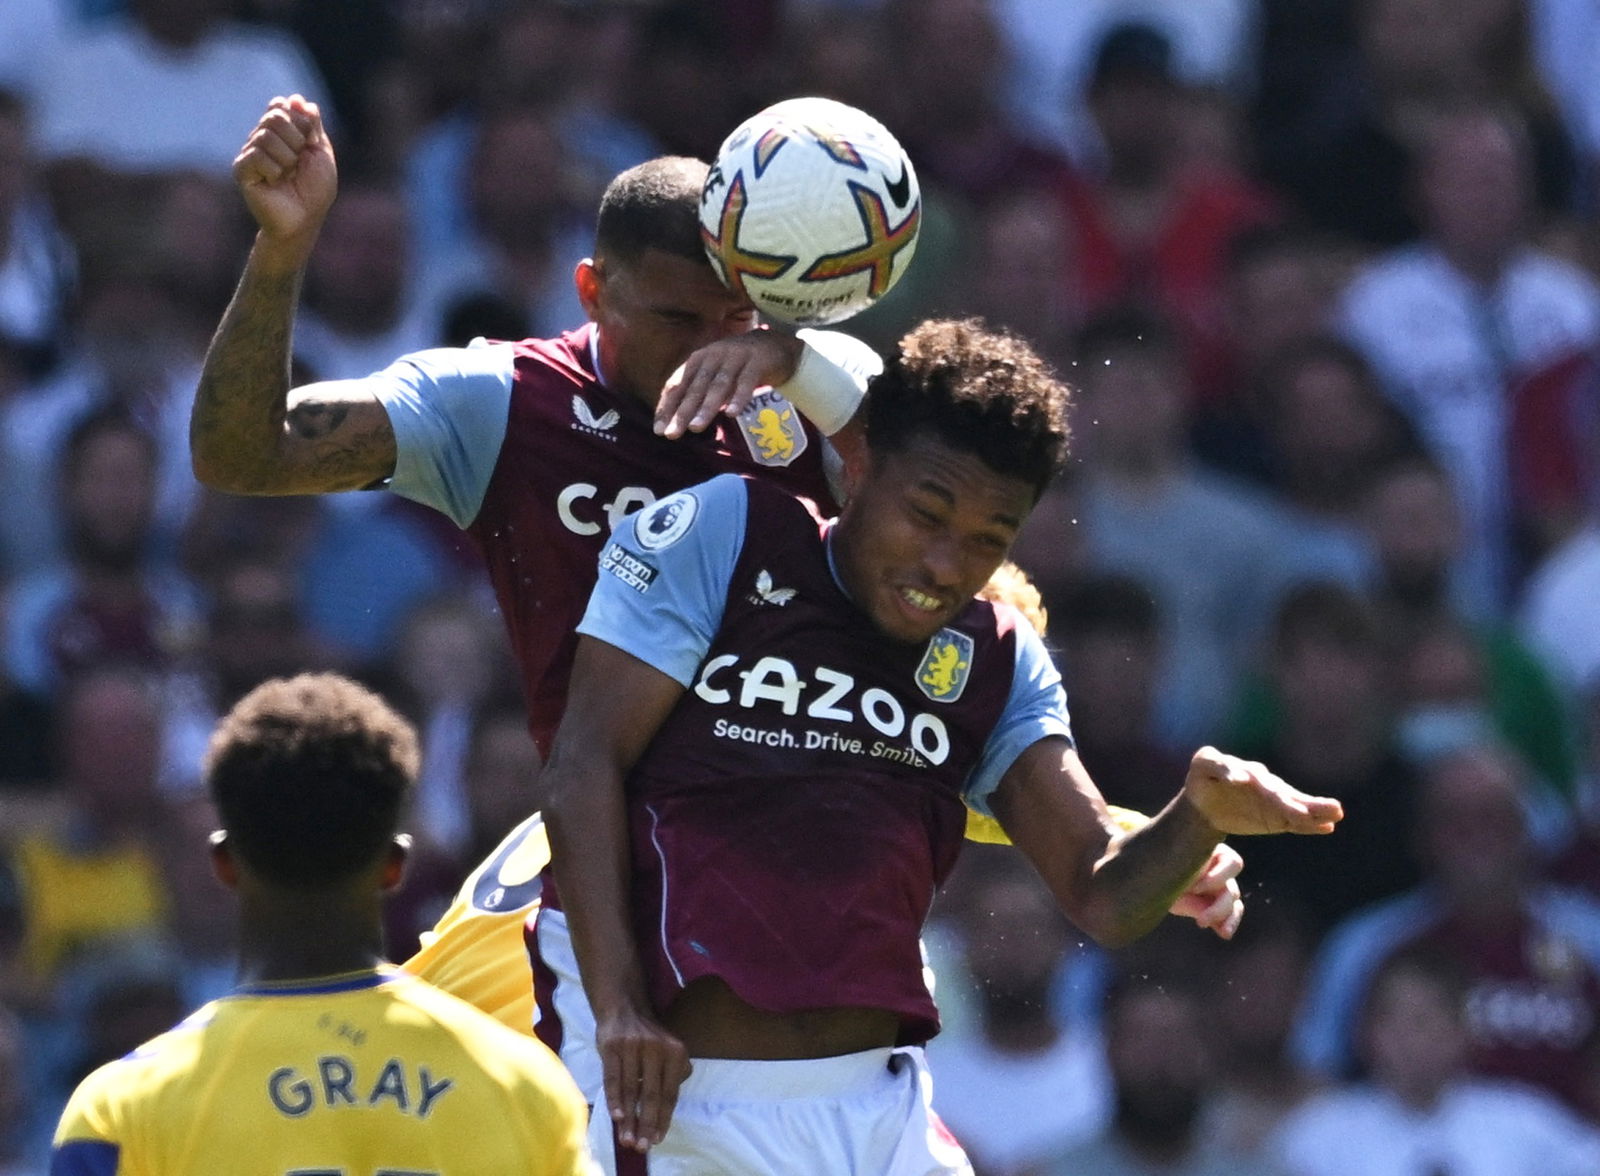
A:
(713, 1022)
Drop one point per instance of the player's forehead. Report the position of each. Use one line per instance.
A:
(928, 468)
(659, 280)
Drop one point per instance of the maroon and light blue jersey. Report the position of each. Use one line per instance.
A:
(798, 807)
(522, 445)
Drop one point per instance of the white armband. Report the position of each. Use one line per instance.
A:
(830, 379)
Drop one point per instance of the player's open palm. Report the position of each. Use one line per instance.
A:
(286, 170)
(1241, 796)
(644, 1065)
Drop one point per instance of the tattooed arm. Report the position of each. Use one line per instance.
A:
(249, 433)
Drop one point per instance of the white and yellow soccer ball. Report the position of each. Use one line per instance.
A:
(811, 210)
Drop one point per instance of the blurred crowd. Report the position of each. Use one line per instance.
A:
(1325, 276)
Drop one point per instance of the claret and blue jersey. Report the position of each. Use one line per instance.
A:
(801, 726)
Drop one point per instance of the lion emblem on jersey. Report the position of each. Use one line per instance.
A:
(942, 676)
(772, 430)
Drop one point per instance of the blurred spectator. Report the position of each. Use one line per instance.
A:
(1420, 1109)
(112, 598)
(96, 874)
(1565, 37)
(1554, 445)
(502, 765)
(1457, 686)
(527, 59)
(1024, 274)
(1278, 291)
(1328, 430)
(1448, 666)
(130, 991)
(1149, 224)
(36, 265)
(198, 237)
(171, 86)
(1053, 45)
(1560, 615)
(1344, 150)
(444, 668)
(1215, 554)
(135, 350)
(25, 721)
(1254, 992)
(254, 630)
(949, 117)
(31, 35)
(1450, 323)
(1531, 955)
(526, 233)
(1326, 725)
(1016, 1085)
(679, 87)
(364, 300)
(1164, 1075)
(17, 1148)
(1111, 648)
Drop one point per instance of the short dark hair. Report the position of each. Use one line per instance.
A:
(655, 205)
(310, 775)
(981, 391)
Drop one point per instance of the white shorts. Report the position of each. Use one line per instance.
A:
(862, 1114)
(565, 999)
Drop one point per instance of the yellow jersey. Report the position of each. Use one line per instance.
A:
(476, 950)
(370, 1074)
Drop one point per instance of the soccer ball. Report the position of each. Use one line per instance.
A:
(811, 210)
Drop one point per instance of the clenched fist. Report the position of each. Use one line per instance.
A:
(286, 172)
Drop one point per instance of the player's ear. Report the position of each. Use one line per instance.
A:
(589, 281)
(394, 863)
(223, 864)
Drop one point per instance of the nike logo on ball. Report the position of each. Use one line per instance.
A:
(900, 190)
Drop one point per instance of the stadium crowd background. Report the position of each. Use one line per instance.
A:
(1325, 275)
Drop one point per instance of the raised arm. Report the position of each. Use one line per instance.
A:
(615, 705)
(248, 432)
(1116, 886)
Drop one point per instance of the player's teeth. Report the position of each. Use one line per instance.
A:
(920, 599)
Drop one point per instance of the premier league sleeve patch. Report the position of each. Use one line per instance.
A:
(772, 430)
(660, 526)
(946, 665)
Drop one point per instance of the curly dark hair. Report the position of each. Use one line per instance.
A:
(977, 390)
(654, 205)
(310, 775)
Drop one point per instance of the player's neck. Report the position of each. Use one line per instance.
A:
(305, 938)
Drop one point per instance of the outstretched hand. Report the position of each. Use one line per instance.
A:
(1242, 796)
(1213, 899)
(286, 170)
(722, 377)
(644, 1066)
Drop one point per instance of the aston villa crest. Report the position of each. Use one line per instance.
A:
(772, 429)
(946, 665)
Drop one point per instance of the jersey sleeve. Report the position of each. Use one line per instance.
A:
(1035, 709)
(664, 577)
(448, 407)
(86, 1142)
